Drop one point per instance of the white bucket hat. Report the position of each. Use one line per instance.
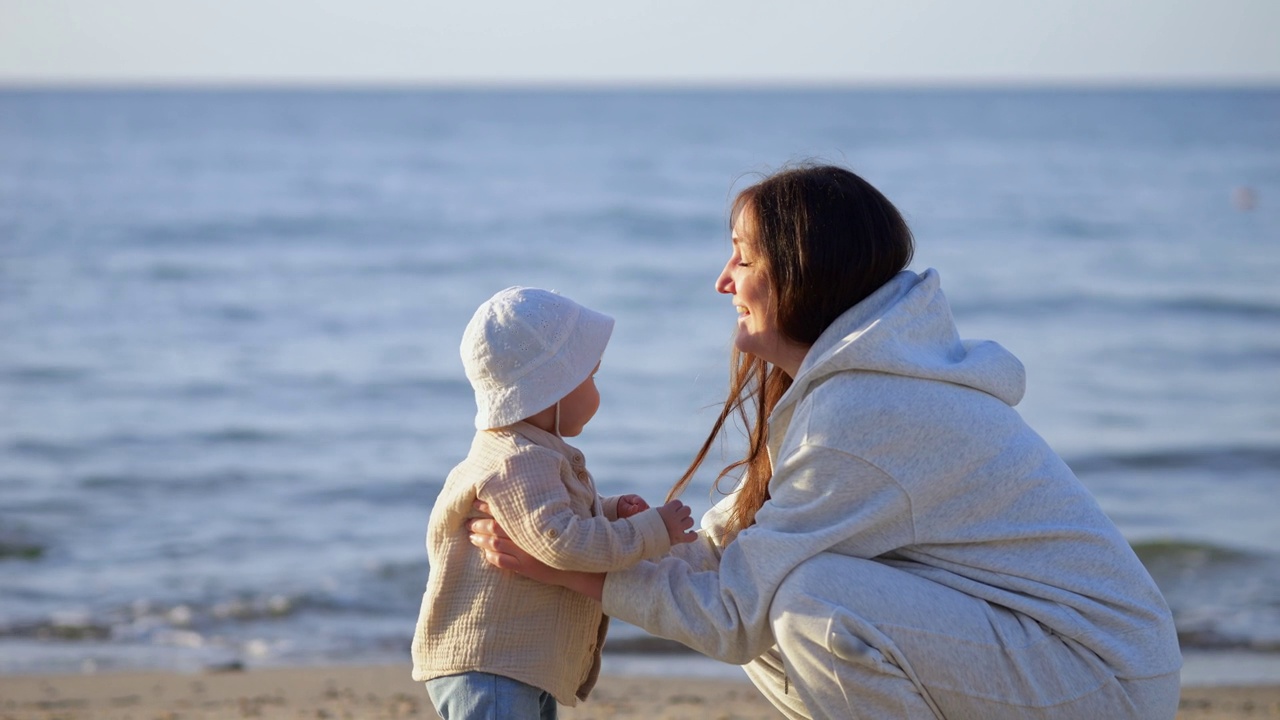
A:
(525, 349)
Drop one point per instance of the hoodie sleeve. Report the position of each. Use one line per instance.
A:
(530, 501)
(821, 500)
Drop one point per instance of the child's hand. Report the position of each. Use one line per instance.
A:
(678, 518)
(629, 505)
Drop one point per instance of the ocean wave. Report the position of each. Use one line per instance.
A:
(645, 645)
(652, 224)
(1221, 597)
(1215, 459)
(1221, 307)
(236, 313)
(20, 550)
(1079, 228)
(239, 435)
(1189, 554)
(203, 390)
(79, 448)
(207, 483)
(57, 629)
(48, 449)
(19, 543)
(173, 272)
(146, 619)
(224, 231)
(433, 387)
(45, 374)
(83, 447)
(375, 493)
(1209, 639)
(433, 268)
(1128, 307)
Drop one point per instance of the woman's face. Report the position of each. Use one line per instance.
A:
(746, 278)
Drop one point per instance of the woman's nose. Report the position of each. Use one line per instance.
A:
(724, 283)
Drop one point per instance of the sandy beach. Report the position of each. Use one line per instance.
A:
(356, 693)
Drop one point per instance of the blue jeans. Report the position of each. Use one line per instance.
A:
(484, 696)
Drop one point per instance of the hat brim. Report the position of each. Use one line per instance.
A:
(548, 383)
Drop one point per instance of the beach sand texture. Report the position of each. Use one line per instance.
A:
(359, 693)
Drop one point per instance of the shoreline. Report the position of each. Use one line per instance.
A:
(646, 657)
(387, 691)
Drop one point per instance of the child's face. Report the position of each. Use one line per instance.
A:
(579, 406)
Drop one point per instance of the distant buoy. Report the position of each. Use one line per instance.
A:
(1244, 199)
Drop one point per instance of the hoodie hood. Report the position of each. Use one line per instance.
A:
(906, 328)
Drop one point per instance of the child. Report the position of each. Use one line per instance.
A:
(490, 643)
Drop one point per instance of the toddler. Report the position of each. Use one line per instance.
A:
(490, 643)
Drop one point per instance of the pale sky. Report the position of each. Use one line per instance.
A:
(663, 42)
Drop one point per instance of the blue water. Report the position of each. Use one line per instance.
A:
(229, 383)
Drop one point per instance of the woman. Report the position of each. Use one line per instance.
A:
(901, 544)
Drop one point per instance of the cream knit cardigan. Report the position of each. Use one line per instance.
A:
(476, 617)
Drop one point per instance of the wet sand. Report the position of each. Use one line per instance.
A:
(354, 693)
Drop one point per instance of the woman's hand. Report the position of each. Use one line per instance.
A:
(502, 552)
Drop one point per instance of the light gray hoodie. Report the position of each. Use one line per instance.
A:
(898, 441)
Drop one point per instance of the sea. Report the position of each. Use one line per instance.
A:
(230, 385)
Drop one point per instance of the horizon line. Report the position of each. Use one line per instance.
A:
(566, 85)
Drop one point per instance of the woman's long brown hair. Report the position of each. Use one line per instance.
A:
(828, 240)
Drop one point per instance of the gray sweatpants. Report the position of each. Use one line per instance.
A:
(894, 645)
